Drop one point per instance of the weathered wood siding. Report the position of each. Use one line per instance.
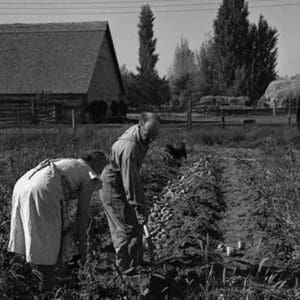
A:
(13, 106)
(105, 84)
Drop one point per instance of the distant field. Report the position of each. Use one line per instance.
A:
(232, 119)
(170, 120)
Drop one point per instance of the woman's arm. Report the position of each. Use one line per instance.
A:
(86, 192)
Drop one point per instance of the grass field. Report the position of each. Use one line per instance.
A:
(239, 187)
(230, 119)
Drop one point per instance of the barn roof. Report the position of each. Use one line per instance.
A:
(54, 57)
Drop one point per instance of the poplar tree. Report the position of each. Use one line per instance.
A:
(147, 56)
(149, 87)
(182, 70)
(231, 43)
(264, 53)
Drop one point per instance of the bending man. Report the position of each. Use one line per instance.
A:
(122, 195)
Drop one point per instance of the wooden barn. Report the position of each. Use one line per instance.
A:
(73, 64)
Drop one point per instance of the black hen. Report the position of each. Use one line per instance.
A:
(177, 153)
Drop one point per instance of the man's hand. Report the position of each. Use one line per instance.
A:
(142, 214)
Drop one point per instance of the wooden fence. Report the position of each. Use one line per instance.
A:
(210, 110)
(224, 114)
(39, 110)
(28, 111)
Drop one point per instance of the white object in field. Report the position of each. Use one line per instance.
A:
(230, 251)
(221, 247)
(240, 245)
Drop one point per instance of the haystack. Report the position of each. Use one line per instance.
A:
(280, 91)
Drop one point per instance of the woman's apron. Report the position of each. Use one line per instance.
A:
(69, 247)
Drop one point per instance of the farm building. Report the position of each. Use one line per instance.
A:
(73, 64)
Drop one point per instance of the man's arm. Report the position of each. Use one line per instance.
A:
(132, 185)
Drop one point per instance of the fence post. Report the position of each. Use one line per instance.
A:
(33, 111)
(189, 114)
(274, 108)
(19, 119)
(298, 111)
(290, 112)
(73, 121)
(54, 113)
(223, 117)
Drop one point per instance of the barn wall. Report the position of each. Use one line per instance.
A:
(22, 103)
(105, 84)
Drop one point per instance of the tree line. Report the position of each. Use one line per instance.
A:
(238, 58)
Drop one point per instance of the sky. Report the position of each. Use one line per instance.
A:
(190, 19)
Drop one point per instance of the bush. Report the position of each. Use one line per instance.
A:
(115, 108)
(97, 110)
(174, 102)
(123, 107)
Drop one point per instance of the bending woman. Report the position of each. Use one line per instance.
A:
(40, 225)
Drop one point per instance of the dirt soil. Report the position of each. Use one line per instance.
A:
(240, 195)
